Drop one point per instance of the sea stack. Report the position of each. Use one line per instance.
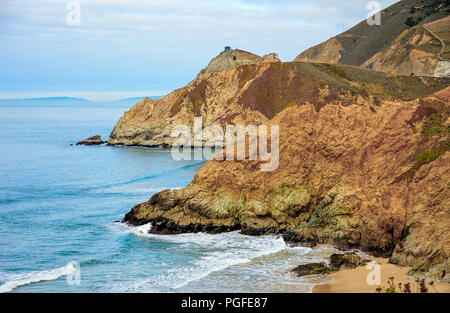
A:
(91, 141)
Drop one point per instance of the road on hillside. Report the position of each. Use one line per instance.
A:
(440, 57)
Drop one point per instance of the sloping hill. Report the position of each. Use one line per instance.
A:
(254, 93)
(365, 175)
(230, 59)
(400, 45)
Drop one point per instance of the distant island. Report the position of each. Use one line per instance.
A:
(62, 101)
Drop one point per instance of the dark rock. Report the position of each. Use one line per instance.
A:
(250, 231)
(311, 269)
(91, 141)
(131, 219)
(295, 239)
(165, 226)
(343, 261)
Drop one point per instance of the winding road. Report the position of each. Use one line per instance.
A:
(439, 55)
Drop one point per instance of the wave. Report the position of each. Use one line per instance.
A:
(219, 252)
(16, 280)
(24, 194)
(143, 179)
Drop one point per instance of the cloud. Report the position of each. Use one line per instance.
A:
(152, 38)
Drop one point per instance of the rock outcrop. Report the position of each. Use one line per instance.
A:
(337, 263)
(345, 261)
(410, 54)
(253, 94)
(410, 41)
(91, 141)
(363, 156)
(311, 269)
(364, 163)
(230, 59)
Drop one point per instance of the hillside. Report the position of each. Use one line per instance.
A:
(400, 45)
(253, 94)
(363, 160)
(229, 59)
(365, 175)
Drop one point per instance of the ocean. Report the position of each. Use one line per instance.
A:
(59, 207)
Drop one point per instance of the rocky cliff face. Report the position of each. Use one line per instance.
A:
(253, 94)
(408, 41)
(230, 59)
(215, 95)
(363, 162)
(407, 55)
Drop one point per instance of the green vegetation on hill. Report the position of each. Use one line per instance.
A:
(431, 8)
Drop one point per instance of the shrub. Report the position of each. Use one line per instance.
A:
(419, 287)
(410, 22)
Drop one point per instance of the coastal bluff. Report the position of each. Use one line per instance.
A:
(365, 176)
(363, 161)
(254, 91)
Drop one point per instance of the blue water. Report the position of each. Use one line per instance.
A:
(60, 203)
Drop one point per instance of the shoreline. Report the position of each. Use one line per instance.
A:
(354, 280)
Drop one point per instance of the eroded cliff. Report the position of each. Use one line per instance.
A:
(412, 39)
(364, 163)
(253, 94)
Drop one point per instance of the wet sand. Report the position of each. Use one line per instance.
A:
(355, 280)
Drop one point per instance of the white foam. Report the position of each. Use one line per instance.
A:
(220, 252)
(17, 280)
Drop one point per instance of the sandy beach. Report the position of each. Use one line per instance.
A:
(355, 280)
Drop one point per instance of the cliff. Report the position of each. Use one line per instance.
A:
(363, 163)
(253, 94)
(215, 94)
(411, 40)
(230, 59)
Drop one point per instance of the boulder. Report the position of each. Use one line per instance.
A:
(311, 269)
(91, 141)
(343, 261)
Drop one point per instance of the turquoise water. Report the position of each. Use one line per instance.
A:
(60, 203)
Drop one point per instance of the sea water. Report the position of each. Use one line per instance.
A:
(61, 203)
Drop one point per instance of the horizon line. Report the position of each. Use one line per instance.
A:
(93, 96)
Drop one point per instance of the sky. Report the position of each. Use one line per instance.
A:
(137, 48)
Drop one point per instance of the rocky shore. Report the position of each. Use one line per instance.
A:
(367, 175)
(363, 159)
(338, 261)
(92, 141)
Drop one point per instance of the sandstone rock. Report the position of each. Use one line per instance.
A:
(311, 269)
(357, 174)
(442, 69)
(231, 59)
(337, 262)
(345, 261)
(92, 141)
(405, 56)
(253, 94)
